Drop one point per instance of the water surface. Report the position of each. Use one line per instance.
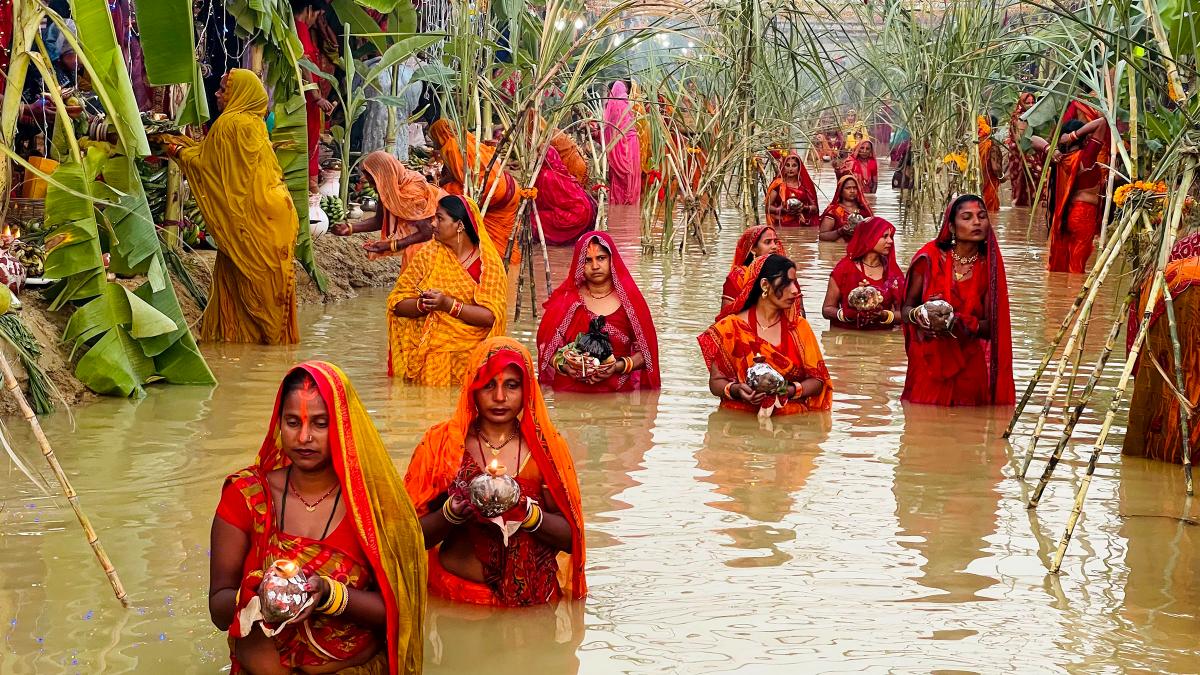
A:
(878, 537)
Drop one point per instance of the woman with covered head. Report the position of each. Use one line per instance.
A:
(765, 325)
(323, 498)
(534, 552)
(754, 243)
(237, 182)
(864, 167)
(451, 297)
(870, 262)
(792, 196)
(848, 208)
(967, 361)
(599, 289)
(619, 136)
(407, 204)
(476, 158)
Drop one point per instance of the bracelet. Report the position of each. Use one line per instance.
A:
(541, 515)
(628, 361)
(799, 393)
(912, 316)
(728, 387)
(456, 308)
(449, 514)
(840, 316)
(533, 517)
(336, 600)
(391, 244)
(891, 316)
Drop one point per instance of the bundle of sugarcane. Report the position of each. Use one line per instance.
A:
(41, 389)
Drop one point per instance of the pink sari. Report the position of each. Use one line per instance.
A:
(565, 209)
(619, 132)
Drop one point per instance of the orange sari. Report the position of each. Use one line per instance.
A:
(732, 343)
(501, 213)
(988, 173)
(1073, 223)
(432, 349)
(378, 545)
(405, 196)
(440, 459)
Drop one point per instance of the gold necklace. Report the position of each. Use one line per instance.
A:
(313, 506)
(601, 297)
(959, 276)
(496, 448)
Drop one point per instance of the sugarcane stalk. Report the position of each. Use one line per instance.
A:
(1083, 302)
(1156, 287)
(1085, 318)
(1133, 124)
(537, 218)
(1185, 438)
(173, 212)
(1085, 396)
(14, 389)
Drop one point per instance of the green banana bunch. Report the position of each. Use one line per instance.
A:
(334, 208)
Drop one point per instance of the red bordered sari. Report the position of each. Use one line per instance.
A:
(732, 343)
(739, 269)
(567, 316)
(835, 210)
(441, 458)
(386, 534)
(848, 276)
(961, 371)
(806, 192)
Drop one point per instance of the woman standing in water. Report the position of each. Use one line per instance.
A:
(794, 185)
(870, 261)
(532, 554)
(864, 167)
(324, 494)
(754, 243)
(239, 187)
(845, 211)
(970, 362)
(449, 299)
(599, 285)
(765, 325)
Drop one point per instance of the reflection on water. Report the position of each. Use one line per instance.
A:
(874, 537)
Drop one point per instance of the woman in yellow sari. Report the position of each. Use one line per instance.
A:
(501, 213)
(451, 297)
(239, 187)
(322, 496)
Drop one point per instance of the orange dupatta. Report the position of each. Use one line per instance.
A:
(438, 456)
(383, 517)
(405, 196)
(501, 213)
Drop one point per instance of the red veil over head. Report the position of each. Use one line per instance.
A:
(566, 300)
(863, 207)
(938, 282)
(747, 241)
(807, 186)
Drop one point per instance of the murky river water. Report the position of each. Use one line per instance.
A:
(876, 538)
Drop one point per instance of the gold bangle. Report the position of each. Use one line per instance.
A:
(391, 244)
(330, 597)
(840, 316)
(344, 597)
(728, 387)
(535, 513)
(891, 316)
(449, 514)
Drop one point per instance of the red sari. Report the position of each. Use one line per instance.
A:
(738, 271)
(1074, 224)
(988, 173)
(377, 545)
(848, 275)
(835, 210)
(732, 343)
(865, 170)
(630, 328)
(565, 209)
(961, 371)
(1024, 168)
(806, 192)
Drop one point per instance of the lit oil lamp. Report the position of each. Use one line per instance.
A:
(494, 491)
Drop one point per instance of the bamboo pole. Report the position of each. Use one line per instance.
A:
(14, 388)
(537, 218)
(1084, 398)
(1155, 288)
(1185, 438)
(1099, 273)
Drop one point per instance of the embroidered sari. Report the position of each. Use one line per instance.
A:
(849, 276)
(732, 343)
(1154, 430)
(961, 371)
(239, 188)
(839, 213)
(630, 328)
(501, 214)
(739, 270)
(526, 572)
(805, 191)
(432, 349)
(404, 196)
(1074, 224)
(378, 544)
(619, 132)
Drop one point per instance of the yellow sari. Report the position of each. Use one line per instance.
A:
(433, 349)
(239, 187)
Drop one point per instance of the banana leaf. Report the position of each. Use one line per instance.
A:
(360, 22)
(381, 6)
(291, 132)
(98, 40)
(167, 61)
